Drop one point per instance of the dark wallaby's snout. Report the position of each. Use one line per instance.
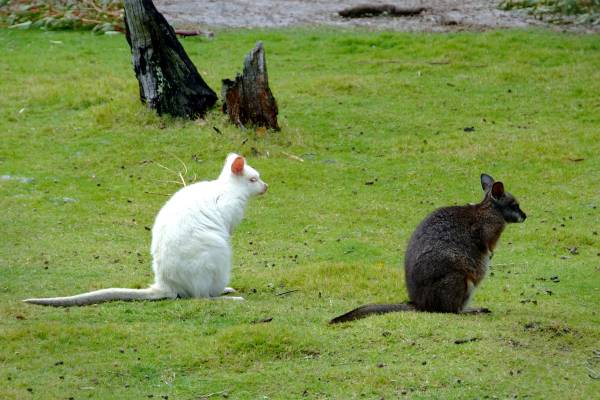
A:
(522, 215)
(514, 214)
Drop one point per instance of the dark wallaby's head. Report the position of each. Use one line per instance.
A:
(503, 201)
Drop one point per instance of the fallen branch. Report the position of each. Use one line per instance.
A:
(185, 33)
(374, 10)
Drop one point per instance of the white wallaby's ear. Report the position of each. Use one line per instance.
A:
(237, 166)
(497, 190)
(486, 182)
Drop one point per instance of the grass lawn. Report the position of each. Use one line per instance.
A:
(379, 120)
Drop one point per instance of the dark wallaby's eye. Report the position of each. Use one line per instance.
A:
(253, 179)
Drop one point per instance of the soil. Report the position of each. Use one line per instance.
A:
(440, 16)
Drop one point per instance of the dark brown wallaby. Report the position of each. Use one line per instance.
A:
(448, 254)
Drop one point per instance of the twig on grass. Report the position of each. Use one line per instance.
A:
(263, 320)
(288, 292)
(158, 194)
(293, 157)
(462, 341)
(181, 175)
(206, 396)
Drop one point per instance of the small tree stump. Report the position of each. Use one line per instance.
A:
(169, 81)
(248, 100)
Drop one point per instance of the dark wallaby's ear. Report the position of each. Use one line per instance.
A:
(497, 190)
(486, 182)
(237, 166)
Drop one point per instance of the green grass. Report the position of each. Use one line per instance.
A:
(358, 107)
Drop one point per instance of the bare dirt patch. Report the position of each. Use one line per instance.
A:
(440, 15)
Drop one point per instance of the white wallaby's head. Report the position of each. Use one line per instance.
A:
(245, 177)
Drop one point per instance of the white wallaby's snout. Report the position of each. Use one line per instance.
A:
(265, 187)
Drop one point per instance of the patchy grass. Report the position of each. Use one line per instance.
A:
(95, 15)
(379, 119)
(558, 11)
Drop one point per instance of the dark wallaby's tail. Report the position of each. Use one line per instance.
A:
(369, 309)
(100, 296)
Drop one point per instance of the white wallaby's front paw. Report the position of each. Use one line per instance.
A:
(229, 290)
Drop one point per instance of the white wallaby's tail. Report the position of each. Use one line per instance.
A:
(100, 296)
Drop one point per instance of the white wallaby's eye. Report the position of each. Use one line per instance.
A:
(253, 179)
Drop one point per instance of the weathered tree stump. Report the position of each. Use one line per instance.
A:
(248, 100)
(169, 81)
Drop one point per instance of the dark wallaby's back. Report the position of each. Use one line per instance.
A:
(448, 254)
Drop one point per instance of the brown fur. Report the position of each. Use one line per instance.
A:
(448, 254)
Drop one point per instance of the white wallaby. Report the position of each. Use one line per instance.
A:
(191, 250)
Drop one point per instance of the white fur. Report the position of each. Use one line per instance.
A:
(487, 261)
(191, 249)
(471, 286)
(470, 290)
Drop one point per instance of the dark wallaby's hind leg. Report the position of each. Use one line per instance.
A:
(448, 294)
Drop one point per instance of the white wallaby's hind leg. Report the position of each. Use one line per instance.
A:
(228, 290)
